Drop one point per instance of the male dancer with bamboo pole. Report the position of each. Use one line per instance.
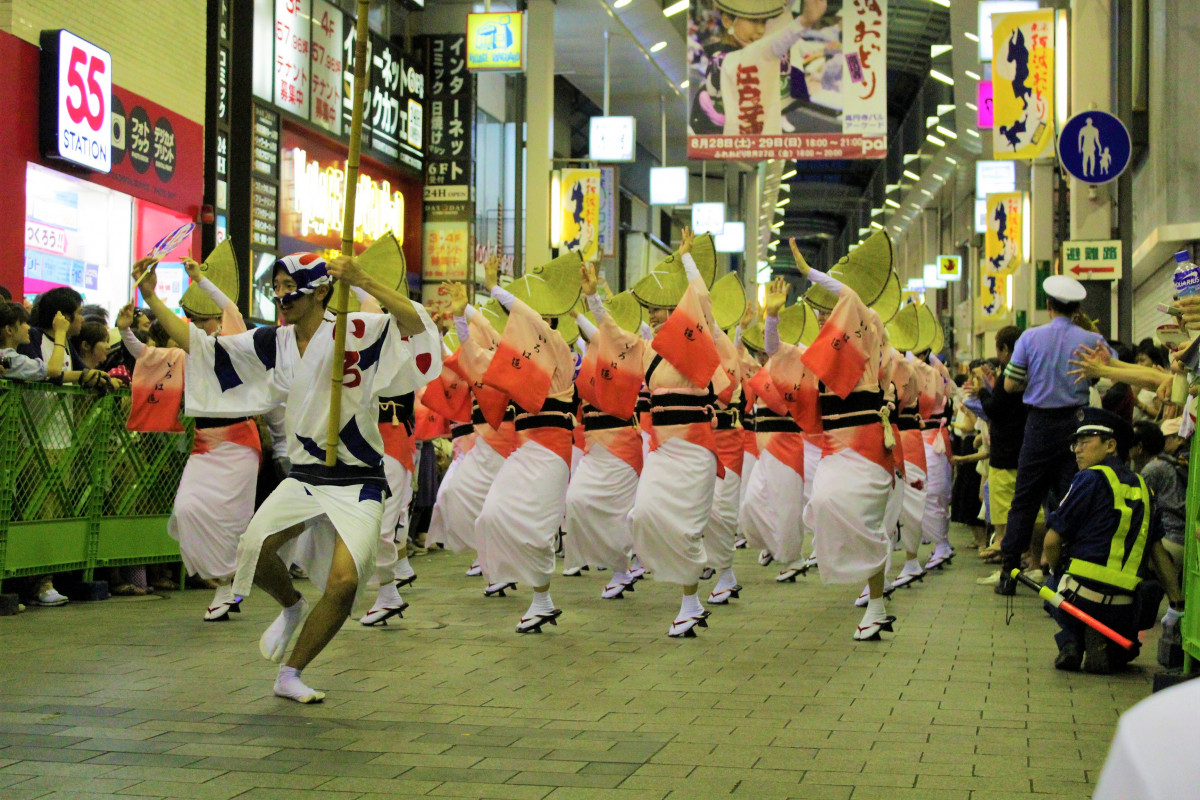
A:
(341, 505)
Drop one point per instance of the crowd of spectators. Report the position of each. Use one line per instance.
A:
(989, 427)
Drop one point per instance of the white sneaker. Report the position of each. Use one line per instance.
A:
(48, 596)
(1035, 575)
(990, 580)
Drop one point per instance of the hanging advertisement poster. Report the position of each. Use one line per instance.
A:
(580, 202)
(994, 288)
(607, 229)
(814, 86)
(1023, 84)
(1002, 240)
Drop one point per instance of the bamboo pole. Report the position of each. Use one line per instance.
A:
(341, 290)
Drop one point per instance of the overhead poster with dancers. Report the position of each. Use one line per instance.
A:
(794, 79)
(1023, 84)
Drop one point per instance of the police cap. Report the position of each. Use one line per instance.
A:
(1064, 289)
(1104, 423)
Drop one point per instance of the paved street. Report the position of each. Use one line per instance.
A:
(139, 698)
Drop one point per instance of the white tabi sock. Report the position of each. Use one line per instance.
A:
(690, 607)
(542, 604)
(276, 638)
(876, 611)
(620, 576)
(289, 685)
(403, 569)
(726, 581)
(388, 597)
(911, 567)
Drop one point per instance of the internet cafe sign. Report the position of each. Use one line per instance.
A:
(76, 101)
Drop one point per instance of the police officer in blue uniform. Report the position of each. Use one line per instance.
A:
(1103, 540)
(1040, 370)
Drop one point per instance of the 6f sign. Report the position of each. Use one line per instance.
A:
(76, 101)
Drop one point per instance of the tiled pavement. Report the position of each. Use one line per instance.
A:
(139, 698)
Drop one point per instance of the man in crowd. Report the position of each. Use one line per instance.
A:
(1039, 370)
(1104, 539)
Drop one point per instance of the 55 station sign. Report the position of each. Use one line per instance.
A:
(76, 101)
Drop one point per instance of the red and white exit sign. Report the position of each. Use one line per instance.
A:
(76, 101)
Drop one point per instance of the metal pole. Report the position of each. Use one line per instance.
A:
(662, 113)
(606, 81)
(1123, 83)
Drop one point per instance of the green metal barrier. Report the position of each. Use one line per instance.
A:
(77, 489)
(1189, 626)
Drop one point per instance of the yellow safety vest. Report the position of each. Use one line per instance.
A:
(1120, 571)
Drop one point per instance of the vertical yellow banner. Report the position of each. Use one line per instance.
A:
(1002, 243)
(1023, 84)
(580, 201)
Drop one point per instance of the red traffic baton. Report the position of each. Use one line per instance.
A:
(1058, 601)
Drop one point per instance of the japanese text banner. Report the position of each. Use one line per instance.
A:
(1023, 84)
(814, 86)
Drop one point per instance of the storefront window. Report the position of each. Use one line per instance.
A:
(85, 236)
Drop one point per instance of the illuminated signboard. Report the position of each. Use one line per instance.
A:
(496, 42)
(76, 101)
(732, 239)
(314, 200)
(612, 138)
(708, 218)
(668, 186)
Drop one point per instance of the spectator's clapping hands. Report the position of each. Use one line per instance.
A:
(1089, 363)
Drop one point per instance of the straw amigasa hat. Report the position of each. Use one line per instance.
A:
(568, 328)
(450, 340)
(866, 269)
(494, 313)
(811, 326)
(551, 289)
(221, 268)
(384, 261)
(751, 9)
(625, 311)
(728, 301)
(665, 285)
(794, 323)
(889, 300)
(939, 336)
(927, 326)
(903, 330)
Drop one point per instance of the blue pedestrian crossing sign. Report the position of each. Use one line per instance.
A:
(1094, 147)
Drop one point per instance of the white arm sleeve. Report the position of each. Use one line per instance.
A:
(586, 327)
(826, 281)
(771, 334)
(462, 328)
(689, 266)
(132, 343)
(503, 296)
